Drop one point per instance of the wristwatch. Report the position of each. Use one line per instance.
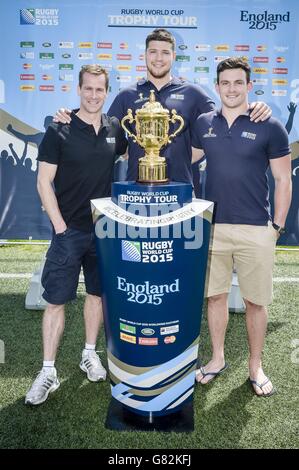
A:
(279, 229)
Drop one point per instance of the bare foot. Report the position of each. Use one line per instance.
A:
(261, 384)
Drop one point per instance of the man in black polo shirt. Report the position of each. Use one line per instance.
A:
(79, 159)
(238, 153)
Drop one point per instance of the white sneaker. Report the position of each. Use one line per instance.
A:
(45, 383)
(91, 364)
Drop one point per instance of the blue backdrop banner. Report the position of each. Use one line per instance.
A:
(47, 43)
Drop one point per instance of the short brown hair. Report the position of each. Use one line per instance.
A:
(160, 34)
(94, 69)
(234, 63)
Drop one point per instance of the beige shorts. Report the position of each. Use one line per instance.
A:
(251, 250)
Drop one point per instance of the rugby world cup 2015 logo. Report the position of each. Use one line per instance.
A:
(130, 251)
(27, 16)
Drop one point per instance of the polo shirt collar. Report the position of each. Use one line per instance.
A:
(105, 122)
(145, 81)
(219, 113)
(82, 124)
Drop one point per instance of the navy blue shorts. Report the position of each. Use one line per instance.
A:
(67, 253)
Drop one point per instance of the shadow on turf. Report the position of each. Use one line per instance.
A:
(236, 342)
(77, 406)
(62, 421)
(222, 425)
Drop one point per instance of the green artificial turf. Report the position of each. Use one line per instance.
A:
(227, 413)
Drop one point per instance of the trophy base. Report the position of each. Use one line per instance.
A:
(152, 173)
(120, 419)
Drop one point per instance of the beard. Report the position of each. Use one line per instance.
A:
(156, 73)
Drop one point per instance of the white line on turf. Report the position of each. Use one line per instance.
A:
(29, 275)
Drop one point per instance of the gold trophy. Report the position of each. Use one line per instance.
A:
(152, 127)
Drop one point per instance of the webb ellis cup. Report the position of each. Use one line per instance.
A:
(152, 128)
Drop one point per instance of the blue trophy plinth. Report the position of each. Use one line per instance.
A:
(152, 246)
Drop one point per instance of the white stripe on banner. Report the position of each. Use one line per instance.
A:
(24, 276)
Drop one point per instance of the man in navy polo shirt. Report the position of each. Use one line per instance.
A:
(173, 93)
(78, 158)
(238, 153)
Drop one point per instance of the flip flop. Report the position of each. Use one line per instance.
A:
(212, 374)
(265, 395)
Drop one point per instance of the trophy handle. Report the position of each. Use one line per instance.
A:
(176, 117)
(128, 117)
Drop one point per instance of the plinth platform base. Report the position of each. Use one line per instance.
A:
(121, 419)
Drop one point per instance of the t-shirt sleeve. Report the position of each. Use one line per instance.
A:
(278, 141)
(204, 103)
(121, 142)
(49, 148)
(195, 134)
(116, 108)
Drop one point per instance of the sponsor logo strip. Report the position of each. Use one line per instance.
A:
(148, 341)
(167, 330)
(27, 87)
(128, 328)
(128, 338)
(46, 88)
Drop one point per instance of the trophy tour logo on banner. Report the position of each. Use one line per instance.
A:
(174, 18)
